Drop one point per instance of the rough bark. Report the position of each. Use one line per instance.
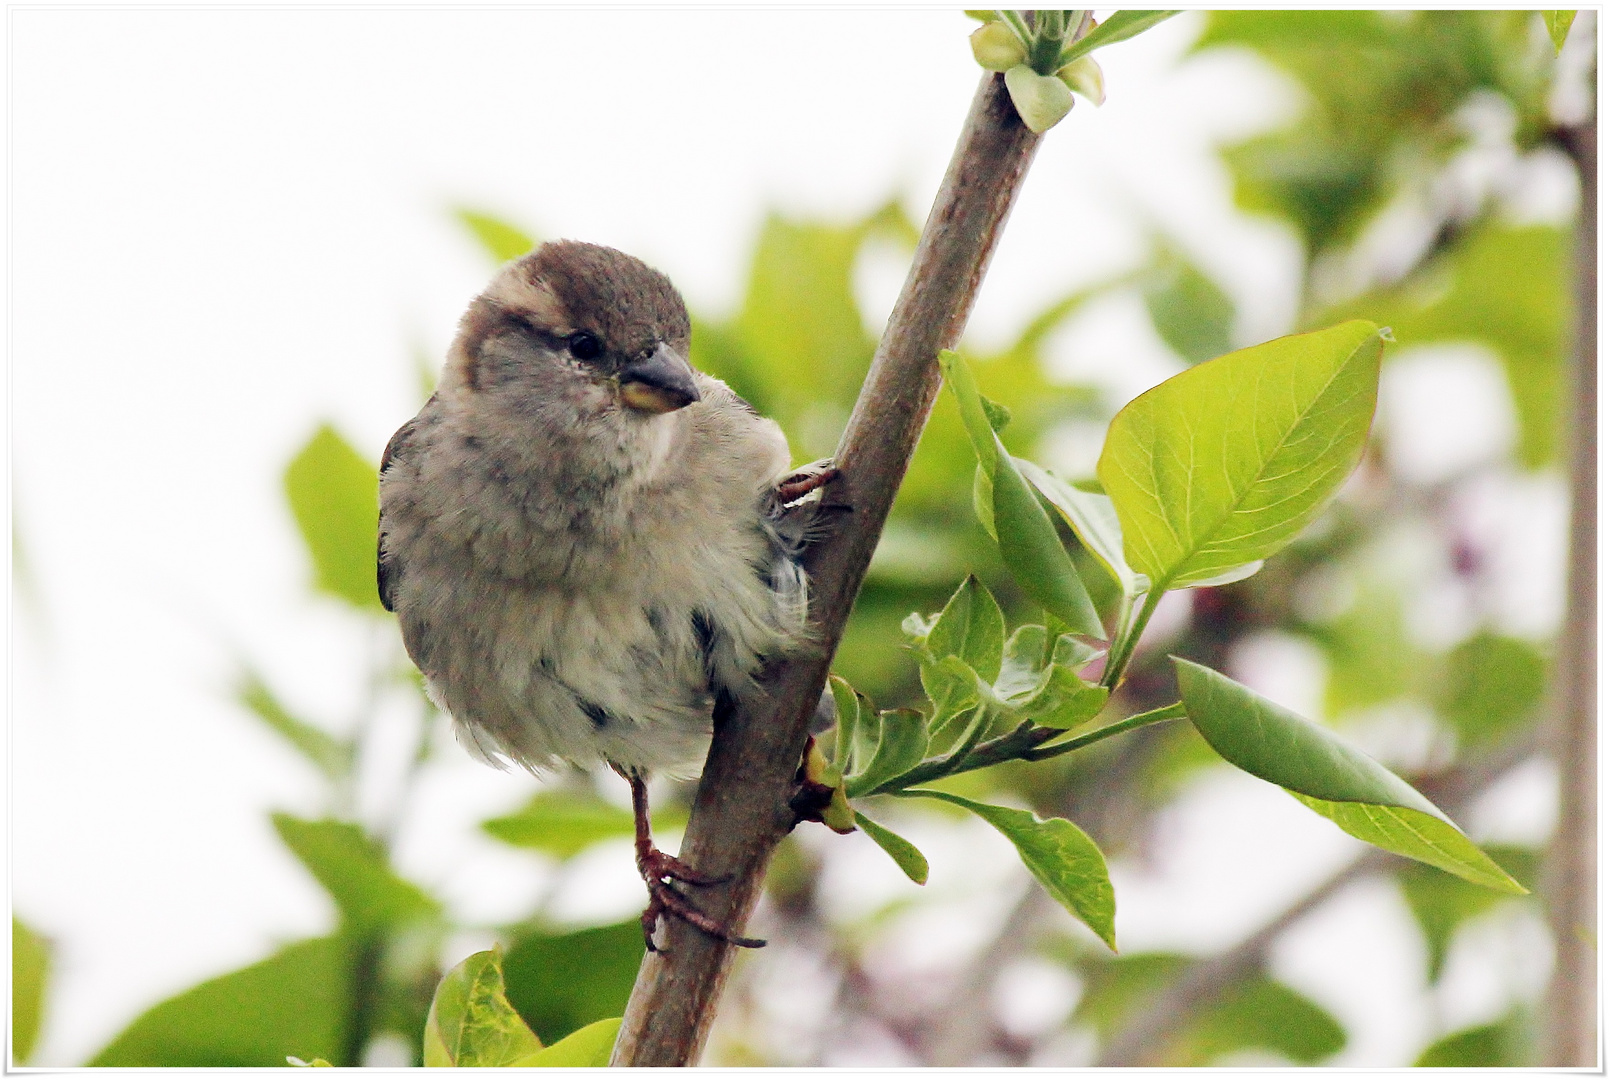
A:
(741, 811)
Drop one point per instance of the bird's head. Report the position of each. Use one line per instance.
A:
(581, 326)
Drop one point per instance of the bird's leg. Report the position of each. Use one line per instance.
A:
(659, 870)
(652, 863)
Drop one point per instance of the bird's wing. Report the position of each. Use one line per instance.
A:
(387, 570)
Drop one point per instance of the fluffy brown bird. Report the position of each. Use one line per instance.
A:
(590, 546)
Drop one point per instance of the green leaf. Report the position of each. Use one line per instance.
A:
(952, 686)
(1415, 835)
(471, 1023)
(1559, 25)
(902, 742)
(902, 851)
(332, 757)
(868, 731)
(970, 627)
(970, 403)
(1329, 777)
(858, 725)
(295, 1001)
(333, 494)
(1225, 463)
(1041, 100)
(1370, 657)
(1504, 1044)
(984, 501)
(997, 414)
(1046, 689)
(848, 708)
(588, 1048)
(561, 823)
(1254, 1012)
(500, 239)
(1192, 314)
(1022, 663)
(1115, 986)
(1263, 1014)
(1491, 685)
(1065, 861)
(1093, 519)
(30, 971)
(1059, 700)
(1225, 577)
(1441, 903)
(354, 870)
(800, 314)
(559, 982)
(1029, 545)
(1120, 26)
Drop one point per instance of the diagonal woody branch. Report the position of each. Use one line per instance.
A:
(741, 811)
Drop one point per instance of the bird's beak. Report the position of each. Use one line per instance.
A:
(659, 383)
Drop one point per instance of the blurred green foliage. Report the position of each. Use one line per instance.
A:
(1502, 287)
(560, 982)
(1383, 91)
(298, 1001)
(1192, 314)
(30, 970)
(565, 821)
(353, 868)
(1441, 907)
(501, 240)
(1491, 685)
(333, 496)
(1254, 1013)
(333, 757)
(1508, 1043)
(1370, 657)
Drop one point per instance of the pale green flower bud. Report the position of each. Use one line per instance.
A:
(1083, 77)
(996, 47)
(1041, 100)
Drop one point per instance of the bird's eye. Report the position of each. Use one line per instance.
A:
(585, 346)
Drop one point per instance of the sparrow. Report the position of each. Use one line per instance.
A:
(592, 548)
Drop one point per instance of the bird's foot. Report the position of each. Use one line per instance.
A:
(805, 480)
(656, 865)
(659, 870)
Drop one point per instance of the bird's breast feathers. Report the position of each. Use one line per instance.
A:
(570, 609)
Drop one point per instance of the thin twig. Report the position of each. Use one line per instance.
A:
(741, 810)
(1572, 1012)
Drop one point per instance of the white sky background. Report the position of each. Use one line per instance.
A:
(228, 224)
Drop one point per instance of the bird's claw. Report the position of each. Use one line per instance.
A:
(665, 900)
(656, 866)
(659, 870)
